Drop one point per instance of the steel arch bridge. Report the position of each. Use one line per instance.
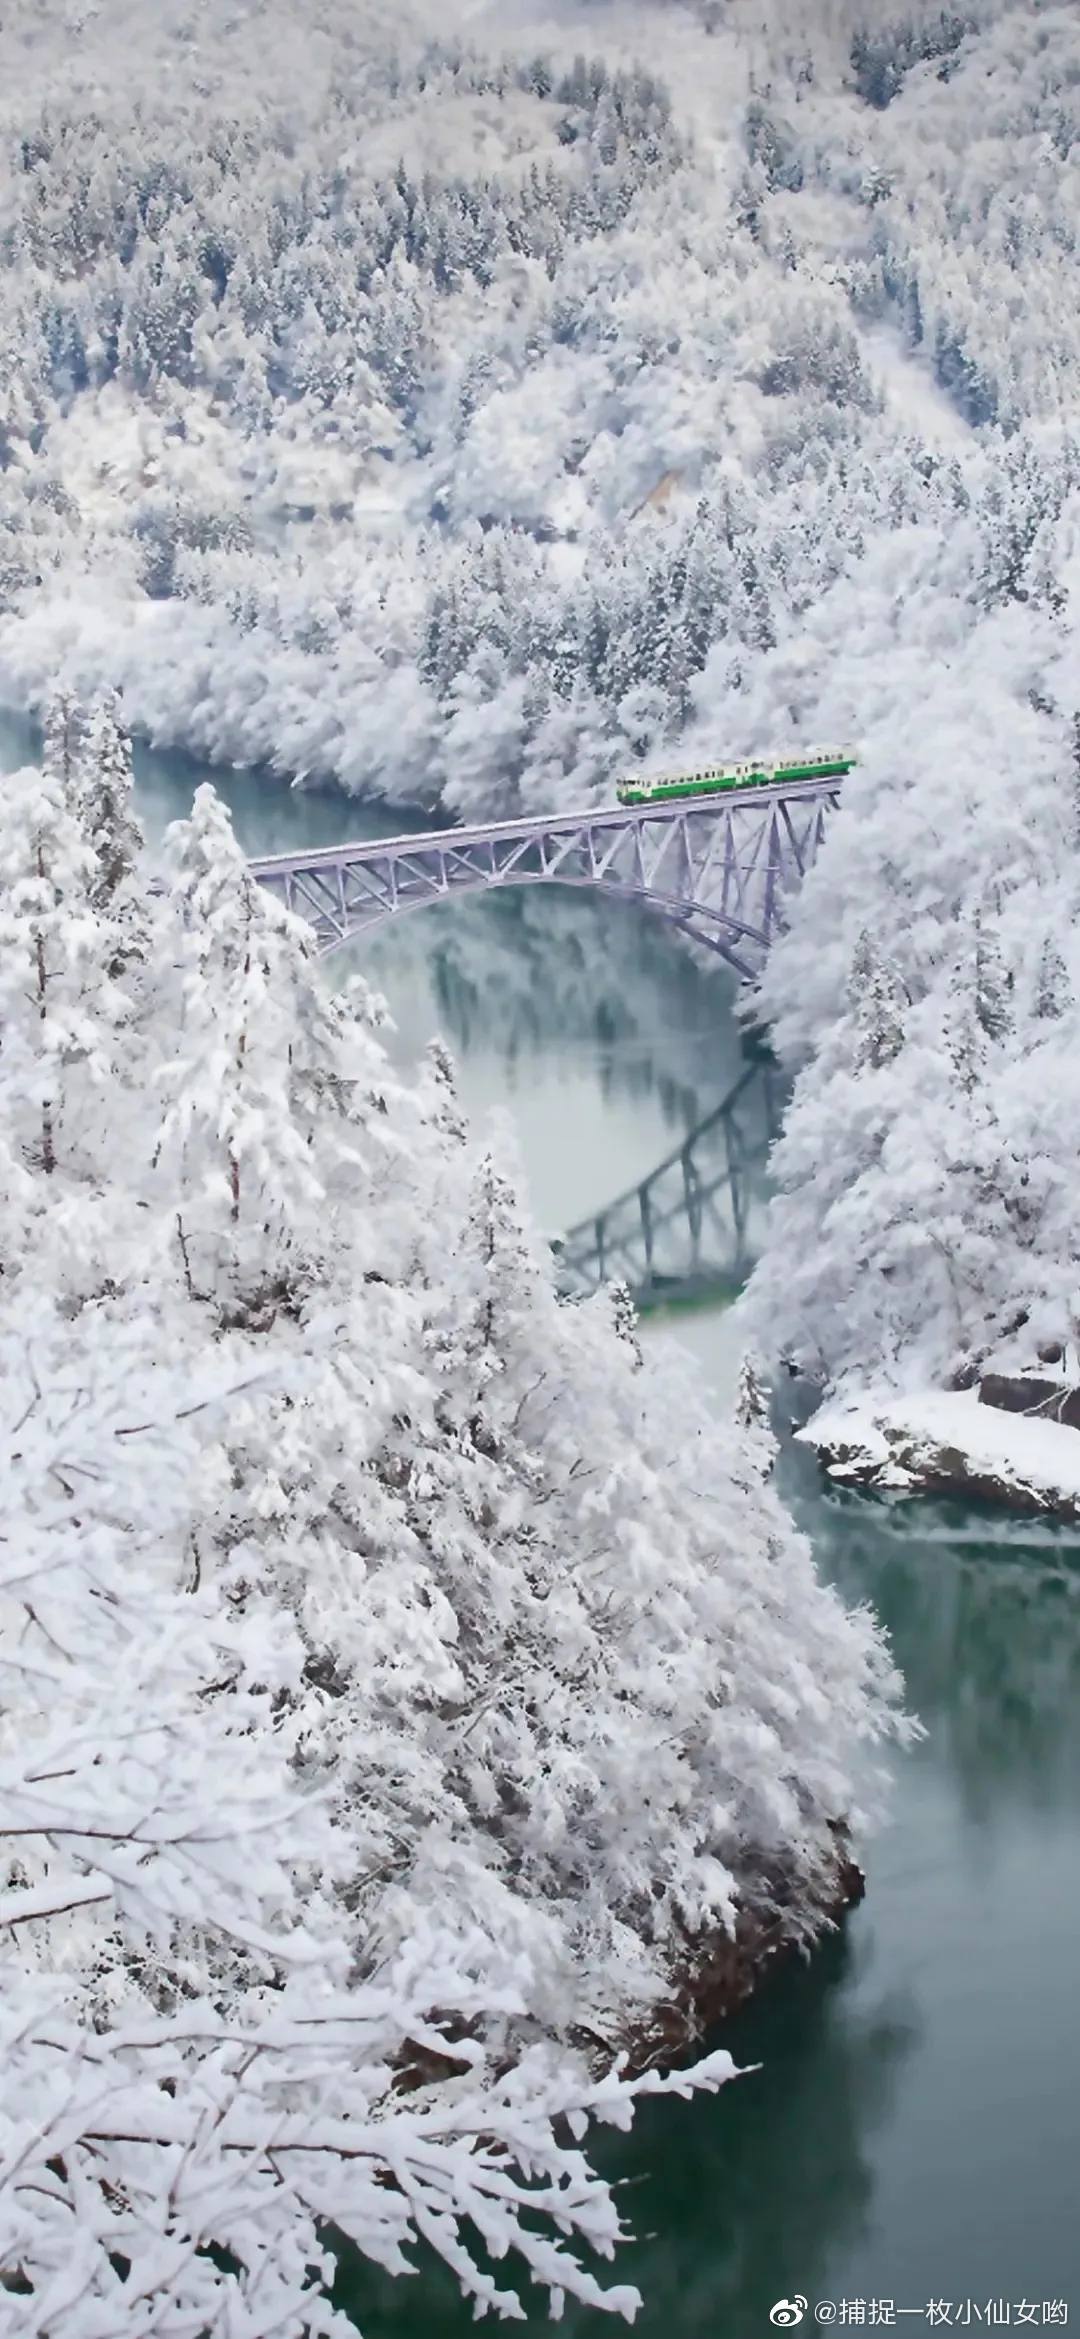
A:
(718, 867)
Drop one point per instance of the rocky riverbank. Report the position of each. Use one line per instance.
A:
(949, 1441)
(723, 1972)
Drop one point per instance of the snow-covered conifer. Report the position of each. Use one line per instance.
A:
(228, 1141)
(444, 1109)
(992, 984)
(876, 994)
(104, 799)
(59, 1005)
(65, 739)
(1053, 992)
(753, 1417)
(752, 1403)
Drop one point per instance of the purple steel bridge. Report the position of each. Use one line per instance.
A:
(719, 867)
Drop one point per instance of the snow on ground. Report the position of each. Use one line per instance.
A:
(708, 78)
(910, 388)
(935, 1436)
(503, 135)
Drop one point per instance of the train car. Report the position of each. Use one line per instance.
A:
(826, 764)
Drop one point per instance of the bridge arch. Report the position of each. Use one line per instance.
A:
(738, 944)
(719, 868)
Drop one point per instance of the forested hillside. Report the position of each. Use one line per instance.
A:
(459, 404)
(406, 1684)
(925, 1226)
(411, 398)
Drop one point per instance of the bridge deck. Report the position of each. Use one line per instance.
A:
(549, 824)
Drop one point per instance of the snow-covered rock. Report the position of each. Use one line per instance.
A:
(947, 1441)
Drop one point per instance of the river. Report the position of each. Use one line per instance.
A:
(912, 2134)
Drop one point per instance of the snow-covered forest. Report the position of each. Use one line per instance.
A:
(929, 985)
(405, 1681)
(457, 403)
(408, 397)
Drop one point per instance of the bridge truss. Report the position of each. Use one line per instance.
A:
(719, 868)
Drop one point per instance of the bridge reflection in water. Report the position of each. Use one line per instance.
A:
(692, 1229)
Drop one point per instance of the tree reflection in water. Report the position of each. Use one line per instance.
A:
(539, 973)
(983, 1612)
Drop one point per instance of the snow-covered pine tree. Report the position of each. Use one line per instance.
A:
(751, 1395)
(567, 1515)
(753, 1413)
(104, 799)
(624, 1317)
(228, 1144)
(964, 1033)
(992, 983)
(1053, 991)
(65, 731)
(60, 1007)
(876, 994)
(442, 1099)
(499, 1283)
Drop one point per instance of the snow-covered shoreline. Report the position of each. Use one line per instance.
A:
(935, 1439)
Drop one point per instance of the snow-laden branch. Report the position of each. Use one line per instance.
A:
(284, 2127)
(55, 1899)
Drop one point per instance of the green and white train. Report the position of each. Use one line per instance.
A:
(830, 763)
